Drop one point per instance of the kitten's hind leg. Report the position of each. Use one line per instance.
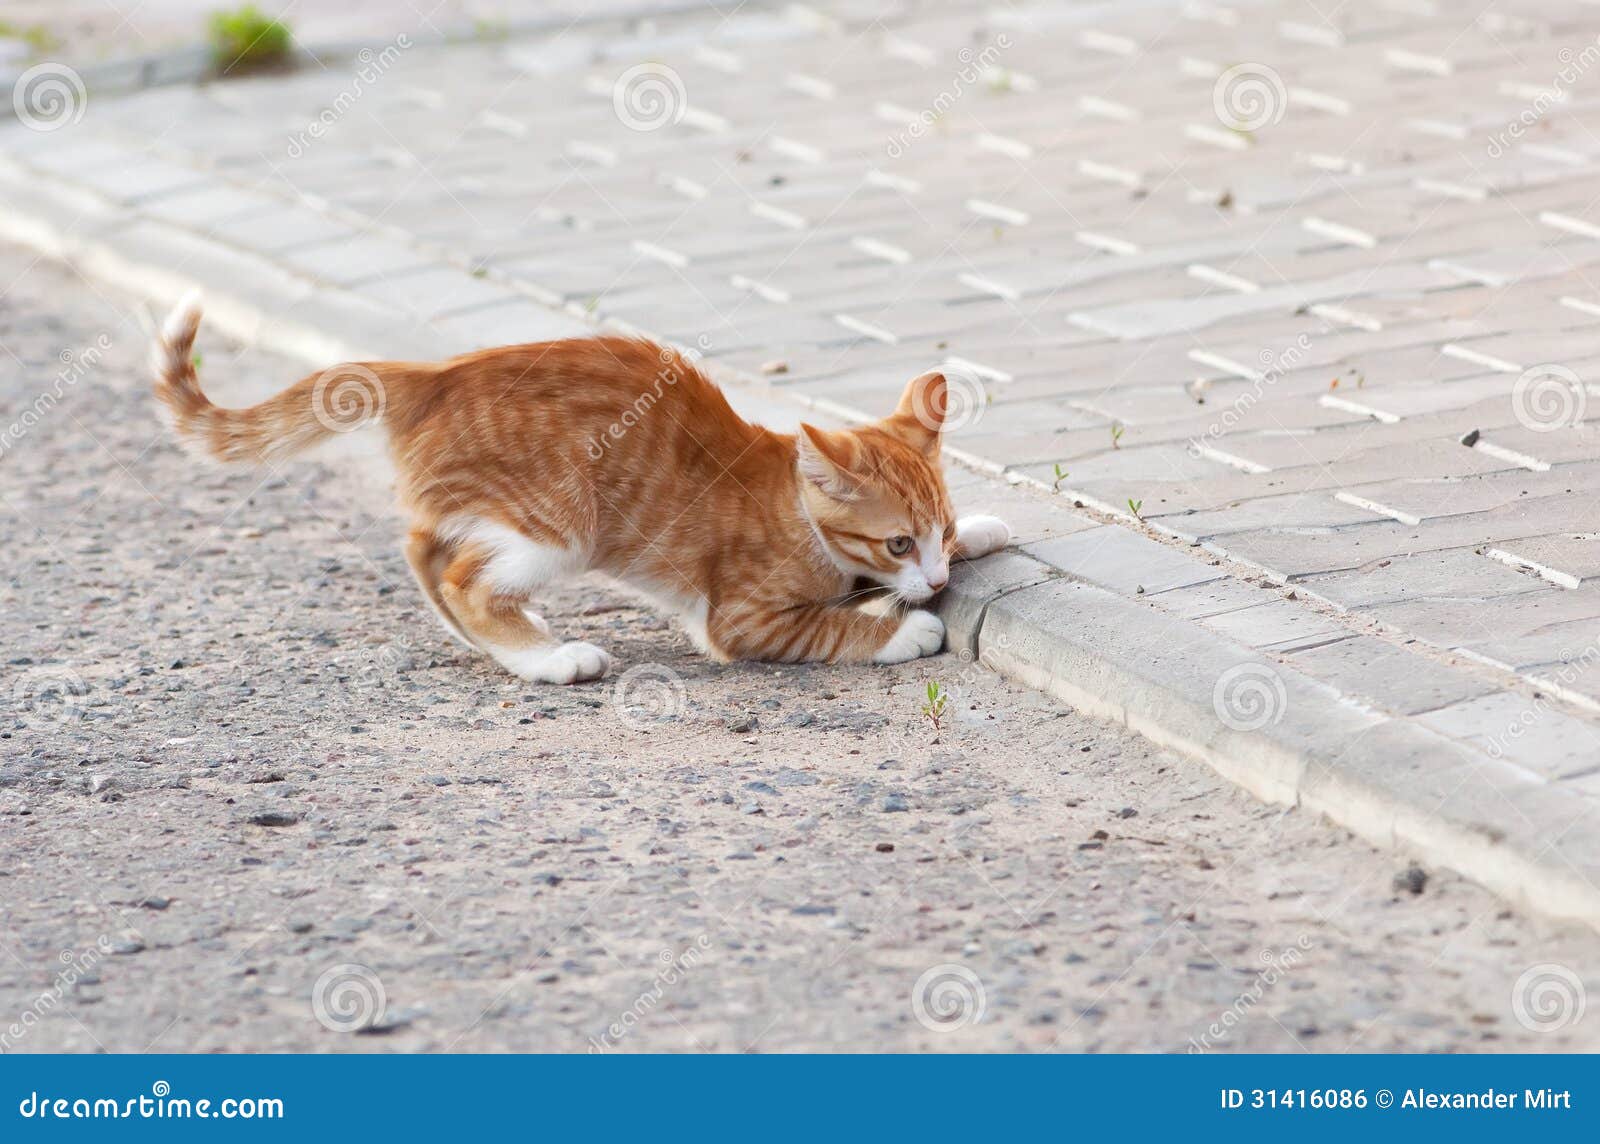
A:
(428, 556)
(486, 589)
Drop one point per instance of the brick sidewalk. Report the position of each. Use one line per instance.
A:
(1312, 301)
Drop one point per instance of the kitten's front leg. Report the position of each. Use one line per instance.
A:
(980, 535)
(920, 633)
(824, 632)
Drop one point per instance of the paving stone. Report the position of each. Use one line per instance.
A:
(510, 323)
(1470, 624)
(1527, 731)
(1567, 559)
(1296, 511)
(357, 260)
(204, 204)
(279, 230)
(1390, 677)
(1211, 598)
(1277, 625)
(434, 291)
(1123, 561)
(1449, 576)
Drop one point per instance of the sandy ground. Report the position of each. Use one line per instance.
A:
(252, 797)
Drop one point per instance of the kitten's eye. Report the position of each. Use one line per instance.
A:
(899, 545)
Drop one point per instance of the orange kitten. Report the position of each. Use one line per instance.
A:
(521, 464)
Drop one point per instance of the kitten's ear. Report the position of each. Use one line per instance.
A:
(919, 418)
(827, 460)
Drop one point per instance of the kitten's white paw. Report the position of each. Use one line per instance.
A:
(569, 663)
(980, 535)
(920, 633)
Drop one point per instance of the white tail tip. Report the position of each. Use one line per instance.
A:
(184, 319)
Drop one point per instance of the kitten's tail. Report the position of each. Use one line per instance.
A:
(336, 400)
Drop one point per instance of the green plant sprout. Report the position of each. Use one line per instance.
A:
(1134, 506)
(933, 707)
(1061, 475)
(1117, 430)
(246, 38)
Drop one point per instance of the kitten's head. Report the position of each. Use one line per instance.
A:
(877, 496)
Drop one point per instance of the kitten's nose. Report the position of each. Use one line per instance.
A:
(939, 580)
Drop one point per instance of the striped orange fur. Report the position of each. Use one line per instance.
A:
(520, 464)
